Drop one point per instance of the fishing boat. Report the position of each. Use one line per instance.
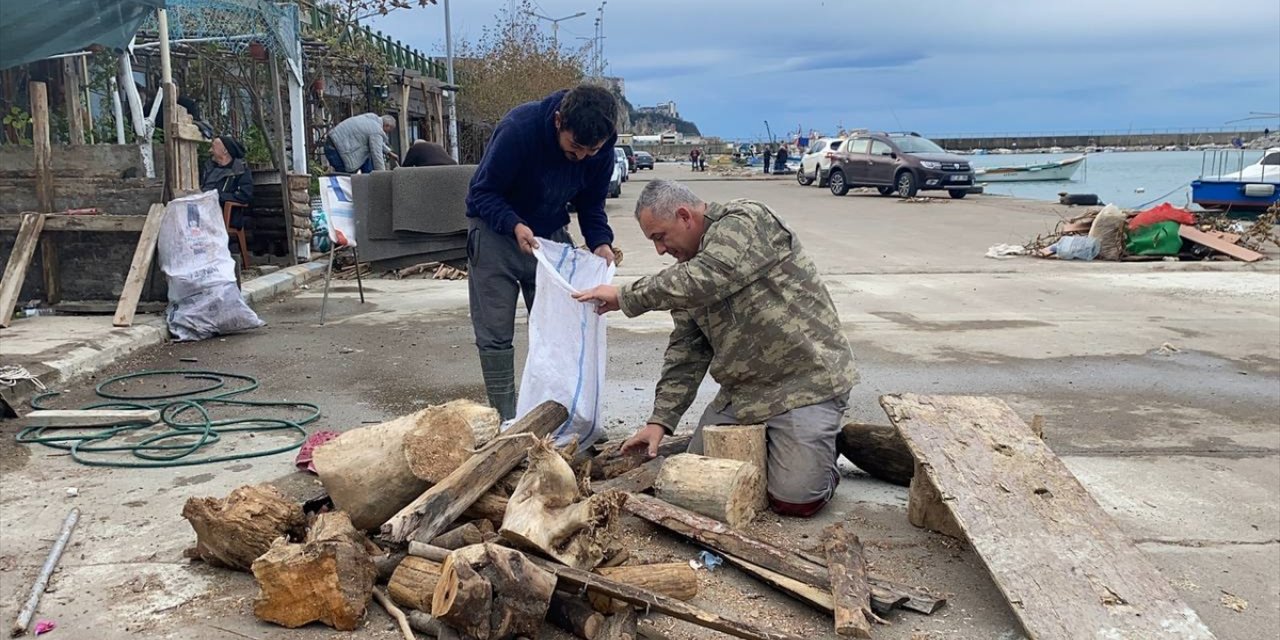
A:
(1250, 188)
(1044, 172)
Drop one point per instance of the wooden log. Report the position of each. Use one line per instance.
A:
(621, 626)
(851, 594)
(491, 592)
(91, 417)
(463, 535)
(422, 622)
(328, 579)
(235, 531)
(720, 538)
(726, 490)
(366, 473)
(610, 463)
(413, 583)
(636, 480)
(673, 579)
(140, 267)
(49, 267)
(548, 514)
(1049, 546)
(443, 503)
(387, 563)
(926, 510)
(42, 144)
(396, 614)
(71, 98)
(491, 507)
(446, 438)
(574, 615)
(572, 579)
(428, 551)
(878, 450)
(15, 270)
(745, 443)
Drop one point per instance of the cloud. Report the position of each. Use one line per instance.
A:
(841, 61)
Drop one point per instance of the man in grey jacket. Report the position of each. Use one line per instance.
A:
(359, 143)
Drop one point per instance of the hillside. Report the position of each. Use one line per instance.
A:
(653, 123)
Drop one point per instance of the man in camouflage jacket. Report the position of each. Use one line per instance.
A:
(749, 306)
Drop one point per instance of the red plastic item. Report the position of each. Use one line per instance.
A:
(1163, 213)
(304, 460)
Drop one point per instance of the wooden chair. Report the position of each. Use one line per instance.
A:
(237, 232)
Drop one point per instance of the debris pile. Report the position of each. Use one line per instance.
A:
(459, 532)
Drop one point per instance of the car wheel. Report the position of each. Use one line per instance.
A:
(884, 191)
(837, 184)
(907, 186)
(957, 194)
(803, 179)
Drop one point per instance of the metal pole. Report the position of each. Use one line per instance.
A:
(117, 110)
(166, 68)
(453, 95)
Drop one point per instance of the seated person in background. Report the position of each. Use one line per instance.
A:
(227, 173)
(426, 154)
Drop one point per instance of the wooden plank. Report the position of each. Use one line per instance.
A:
(140, 268)
(851, 594)
(1063, 564)
(1218, 244)
(91, 417)
(24, 246)
(63, 222)
(171, 180)
(71, 97)
(49, 269)
(43, 149)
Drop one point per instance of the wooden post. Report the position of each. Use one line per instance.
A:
(40, 136)
(71, 97)
(140, 268)
(15, 271)
(402, 119)
(172, 168)
(745, 443)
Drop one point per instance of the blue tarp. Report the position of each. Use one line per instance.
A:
(32, 30)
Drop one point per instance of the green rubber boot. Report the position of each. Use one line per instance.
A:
(499, 370)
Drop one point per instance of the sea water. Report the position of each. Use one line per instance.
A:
(1126, 178)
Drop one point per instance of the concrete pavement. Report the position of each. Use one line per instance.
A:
(1160, 385)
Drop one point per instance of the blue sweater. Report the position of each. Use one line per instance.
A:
(524, 177)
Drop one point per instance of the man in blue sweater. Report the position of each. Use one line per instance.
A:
(543, 155)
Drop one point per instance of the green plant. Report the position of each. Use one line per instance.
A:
(17, 121)
(257, 149)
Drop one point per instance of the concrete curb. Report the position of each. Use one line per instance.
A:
(282, 281)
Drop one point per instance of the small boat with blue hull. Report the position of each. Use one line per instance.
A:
(1250, 188)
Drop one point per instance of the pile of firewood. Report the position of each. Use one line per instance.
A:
(459, 532)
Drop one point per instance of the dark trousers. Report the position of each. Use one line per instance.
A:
(496, 273)
(335, 160)
(766, 164)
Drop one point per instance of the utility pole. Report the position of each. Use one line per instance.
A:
(600, 42)
(555, 24)
(453, 90)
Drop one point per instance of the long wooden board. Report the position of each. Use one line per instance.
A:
(71, 222)
(1218, 244)
(1065, 567)
(91, 417)
(15, 271)
(141, 267)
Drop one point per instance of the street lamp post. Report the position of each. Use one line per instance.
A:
(555, 23)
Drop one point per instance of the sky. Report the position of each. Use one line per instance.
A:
(939, 68)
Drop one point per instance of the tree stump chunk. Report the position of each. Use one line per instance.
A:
(366, 473)
(745, 443)
(446, 438)
(235, 531)
(413, 583)
(573, 614)
(878, 450)
(672, 579)
(492, 593)
(727, 490)
(328, 579)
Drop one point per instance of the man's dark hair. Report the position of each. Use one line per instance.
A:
(590, 112)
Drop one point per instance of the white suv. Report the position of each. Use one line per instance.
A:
(815, 164)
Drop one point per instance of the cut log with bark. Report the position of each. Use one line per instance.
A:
(439, 443)
(621, 626)
(492, 593)
(366, 473)
(745, 443)
(328, 579)
(636, 480)
(727, 490)
(611, 463)
(672, 579)
(413, 583)
(440, 505)
(720, 538)
(491, 506)
(575, 615)
(422, 622)
(463, 535)
(235, 531)
(878, 450)
(548, 514)
(571, 579)
(850, 591)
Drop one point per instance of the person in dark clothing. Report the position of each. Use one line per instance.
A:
(767, 156)
(780, 164)
(227, 173)
(542, 155)
(426, 154)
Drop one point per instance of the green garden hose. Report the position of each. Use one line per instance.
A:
(178, 439)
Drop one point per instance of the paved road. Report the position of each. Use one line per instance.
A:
(1159, 383)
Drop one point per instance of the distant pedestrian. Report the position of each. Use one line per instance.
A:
(693, 159)
(359, 144)
(767, 156)
(702, 161)
(780, 164)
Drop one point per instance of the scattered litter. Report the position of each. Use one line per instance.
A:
(710, 560)
(923, 200)
(1234, 602)
(45, 626)
(1167, 348)
(304, 460)
(10, 375)
(1075, 248)
(1000, 251)
(188, 360)
(72, 492)
(1140, 190)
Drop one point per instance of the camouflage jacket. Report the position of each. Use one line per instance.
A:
(751, 307)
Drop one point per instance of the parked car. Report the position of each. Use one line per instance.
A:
(620, 159)
(905, 163)
(644, 160)
(815, 164)
(631, 156)
(615, 181)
